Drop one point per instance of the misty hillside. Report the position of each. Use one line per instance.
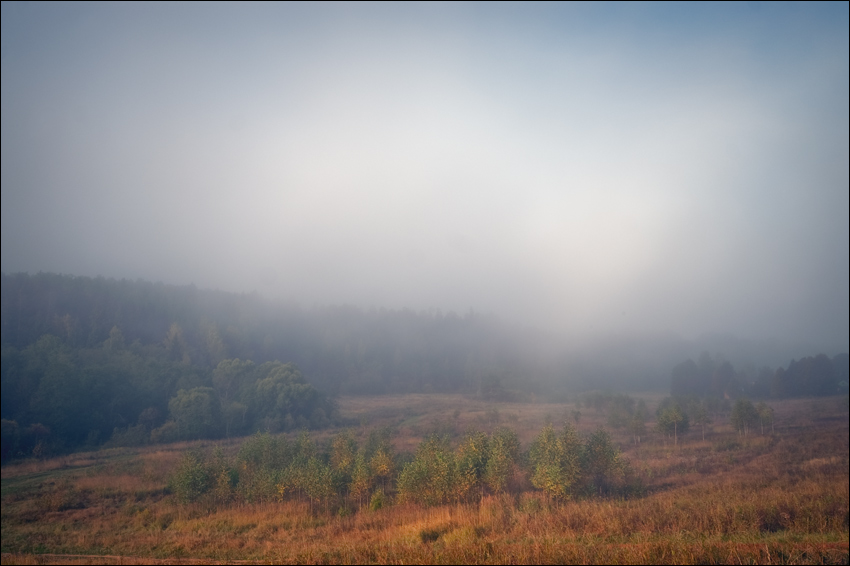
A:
(341, 349)
(90, 360)
(86, 361)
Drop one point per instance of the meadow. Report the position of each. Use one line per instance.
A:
(777, 497)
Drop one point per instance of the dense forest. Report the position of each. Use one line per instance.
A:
(812, 376)
(93, 360)
(86, 360)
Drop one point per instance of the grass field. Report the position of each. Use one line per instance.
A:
(777, 498)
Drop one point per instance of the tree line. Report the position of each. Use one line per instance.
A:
(56, 398)
(675, 415)
(811, 376)
(342, 475)
(86, 361)
(343, 350)
(91, 360)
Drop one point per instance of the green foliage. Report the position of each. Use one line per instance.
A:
(382, 464)
(601, 461)
(744, 416)
(503, 456)
(317, 480)
(429, 478)
(700, 413)
(709, 376)
(86, 358)
(197, 413)
(136, 435)
(177, 337)
(556, 461)
(378, 500)
(262, 450)
(361, 477)
(283, 397)
(810, 376)
(270, 467)
(671, 418)
(232, 380)
(765, 413)
(193, 477)
(471, 464)
(343, 455)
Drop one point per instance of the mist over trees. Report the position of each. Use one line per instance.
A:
(87, 361)
(712, 376)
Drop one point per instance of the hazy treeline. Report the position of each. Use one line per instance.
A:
(810, 376)
(341, 349)
(88, 360)
(57, 398)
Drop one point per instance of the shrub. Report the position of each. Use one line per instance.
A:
(378, 500)
(192, 478)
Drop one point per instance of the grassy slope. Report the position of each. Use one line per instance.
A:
(773, 498)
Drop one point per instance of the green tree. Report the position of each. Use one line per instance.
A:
(672, 419)
(383, 465)
(765, 413)
(744, 416)
(176, 347)
(601, 461)
(230, 379)
(343, 454)
(471, 461)
(556, 461)
(429, 478)
(701, 416)
(504, 452)
(212, 344)
(196, 413)
(283, 396)
(317, 482)
(193, 477)
(361, 477)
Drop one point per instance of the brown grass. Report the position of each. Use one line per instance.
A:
(775, 499)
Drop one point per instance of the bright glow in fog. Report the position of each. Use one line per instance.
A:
(592, 168)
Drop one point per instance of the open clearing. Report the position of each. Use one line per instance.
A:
(773, 498)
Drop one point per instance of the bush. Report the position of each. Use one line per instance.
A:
(378, 500)
(131, 436)
(193, 477)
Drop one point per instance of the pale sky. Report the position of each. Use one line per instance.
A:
(587, 168)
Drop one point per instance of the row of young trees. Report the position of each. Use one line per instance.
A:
(562, 464)
(675, 415)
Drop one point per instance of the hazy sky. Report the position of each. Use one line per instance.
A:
(590, 168)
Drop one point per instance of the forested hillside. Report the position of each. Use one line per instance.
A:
(341, 349)
(85, 360)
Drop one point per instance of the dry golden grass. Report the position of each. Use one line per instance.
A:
(775, 499)
(416, 415)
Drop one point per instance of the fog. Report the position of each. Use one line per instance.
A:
(587, 169)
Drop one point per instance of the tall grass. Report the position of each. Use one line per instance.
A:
(728, 499)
